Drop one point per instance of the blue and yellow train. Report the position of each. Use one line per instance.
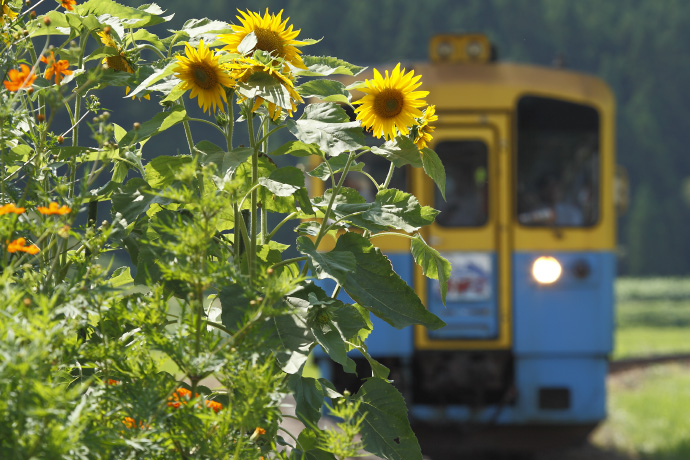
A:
(529, 225)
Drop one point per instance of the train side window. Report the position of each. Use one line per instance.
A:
(557, 163)
(466, 203)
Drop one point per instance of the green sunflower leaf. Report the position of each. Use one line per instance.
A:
(284, 181)
(326, 90)
(137, 18)
(157, 124)
(327, 125)
(372, 283)
(337, 165)
(226, 162)
(386, 430)
(263, 85)
(297, 149)
(434, 169)
(145, 35)
(433, 264)
(247, 44)
(162, 170)
(392, 209)
(400, 151)
(161, 70)
(321, 66)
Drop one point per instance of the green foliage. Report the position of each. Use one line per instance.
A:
(175, 326)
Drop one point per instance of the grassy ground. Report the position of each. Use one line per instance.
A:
(648, 414)
(648, 409)
(652, 316)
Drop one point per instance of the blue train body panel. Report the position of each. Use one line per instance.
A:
(570, 316)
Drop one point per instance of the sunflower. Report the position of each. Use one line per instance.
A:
(424, 129)
(242, 69)
(6, 13)
(391, 104)
(201, 72)
(68, 4)
(118, 62)
(20, 79)
(272, 36)
(53, 67)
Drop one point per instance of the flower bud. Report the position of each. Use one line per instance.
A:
(27, 301)
(32, 15)
(27, 2)
(136, 125)
(46, 20)
(25, 32)
(60, 139)
(40, 118)
(270, 271)
(107, 30)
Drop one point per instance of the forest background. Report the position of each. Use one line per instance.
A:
(640, 47)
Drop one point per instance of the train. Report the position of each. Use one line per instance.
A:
(529, 225)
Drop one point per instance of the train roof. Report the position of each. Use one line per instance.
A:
(498, 85)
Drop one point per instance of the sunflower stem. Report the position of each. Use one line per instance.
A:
(254, 195)
(264, 213)
(331, 201)
(388, 177)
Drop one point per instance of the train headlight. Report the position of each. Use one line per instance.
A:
(546, 270)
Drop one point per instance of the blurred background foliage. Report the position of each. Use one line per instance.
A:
(639, 47)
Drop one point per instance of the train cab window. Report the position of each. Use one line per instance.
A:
(557, 163)
(466, 203)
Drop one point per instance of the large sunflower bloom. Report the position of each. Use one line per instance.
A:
(391, 104)
(425, 129)
(201, 72)
(271, 34)
(57, 68)
(242, 69)
(6, 13)
(20, 79)
(118, 62)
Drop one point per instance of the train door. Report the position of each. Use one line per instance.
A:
(468, 232)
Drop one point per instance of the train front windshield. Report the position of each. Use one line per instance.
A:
(557, 163)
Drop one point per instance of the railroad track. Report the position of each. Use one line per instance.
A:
(622, 365)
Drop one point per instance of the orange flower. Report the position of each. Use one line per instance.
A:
(53, 209)
(19, 80)
(57, 68)
(177, 397)
(10, 208)
(215, 405)
(131, 423)
(19, 245)
(68, 4)
(114, 382)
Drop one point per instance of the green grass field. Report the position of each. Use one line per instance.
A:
(648, 409)
(652, 316)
